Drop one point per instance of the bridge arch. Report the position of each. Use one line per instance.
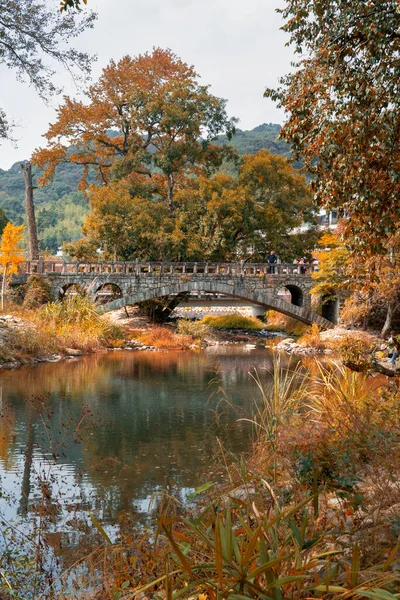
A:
(70, 289)
(234, 289)
(107, 292)
(298, 292)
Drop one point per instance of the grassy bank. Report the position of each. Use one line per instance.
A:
(55, 328)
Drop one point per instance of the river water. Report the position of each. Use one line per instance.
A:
(108, 431)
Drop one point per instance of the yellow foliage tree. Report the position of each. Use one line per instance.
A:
(10, 254)
(333, 260)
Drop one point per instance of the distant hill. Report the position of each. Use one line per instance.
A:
(262, 136)
(61, 208)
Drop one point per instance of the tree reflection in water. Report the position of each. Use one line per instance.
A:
(161, 414)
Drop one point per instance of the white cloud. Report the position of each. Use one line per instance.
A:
(235, 45)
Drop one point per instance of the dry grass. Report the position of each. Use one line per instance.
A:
(354, 347)
(276, 321)
(312, 339)
(233, 321)
(197, 330)
(166, 339)
(73, 323)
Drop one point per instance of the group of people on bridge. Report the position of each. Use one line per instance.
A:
(272, 259)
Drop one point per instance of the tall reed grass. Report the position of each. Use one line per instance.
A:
(278, 402)
(75, 323)
(72, 323)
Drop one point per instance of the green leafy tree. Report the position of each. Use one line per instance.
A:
(282, 202)
(65, 4)
(215, 218)
(124, 227)
(3, 220)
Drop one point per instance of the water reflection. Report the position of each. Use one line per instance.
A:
(158, 414)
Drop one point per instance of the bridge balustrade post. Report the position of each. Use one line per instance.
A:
(137, 267)
(206, 268)
(28, 267)
(195, 268)
(77, 268)
(241, 268)
(40, 267)
(217, 269)
(64, 267)
(184, 268)
(150, 268)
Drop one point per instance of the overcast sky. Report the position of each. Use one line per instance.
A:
(235, 45)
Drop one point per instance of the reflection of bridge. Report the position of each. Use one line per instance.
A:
(131, 282)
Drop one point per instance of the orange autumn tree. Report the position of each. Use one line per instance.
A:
(343, 108)
(10, 254)
(146, 117)
(369, 285)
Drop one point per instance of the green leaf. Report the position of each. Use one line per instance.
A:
(99, 528)
(201, 489)
(355, 564)
(266, 566)
(285, 580)
(333, 589)
(378, 594)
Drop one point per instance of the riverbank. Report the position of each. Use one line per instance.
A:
(322, 475)
(53, 332)
(56, 333)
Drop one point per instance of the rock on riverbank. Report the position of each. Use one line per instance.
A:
(291, 346)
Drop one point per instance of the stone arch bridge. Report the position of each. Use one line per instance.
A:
(128, 283)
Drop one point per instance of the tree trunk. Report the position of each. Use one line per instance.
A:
(171, 183)
(30, 211)
(388, 322)
(3, 287)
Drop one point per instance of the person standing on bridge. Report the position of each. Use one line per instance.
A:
(302, 263)
(271, 259)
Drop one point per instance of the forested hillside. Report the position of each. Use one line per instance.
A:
(262, 136)
(61, 208)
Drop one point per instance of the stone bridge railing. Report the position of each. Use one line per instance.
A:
(238, 269)
(261, 284)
